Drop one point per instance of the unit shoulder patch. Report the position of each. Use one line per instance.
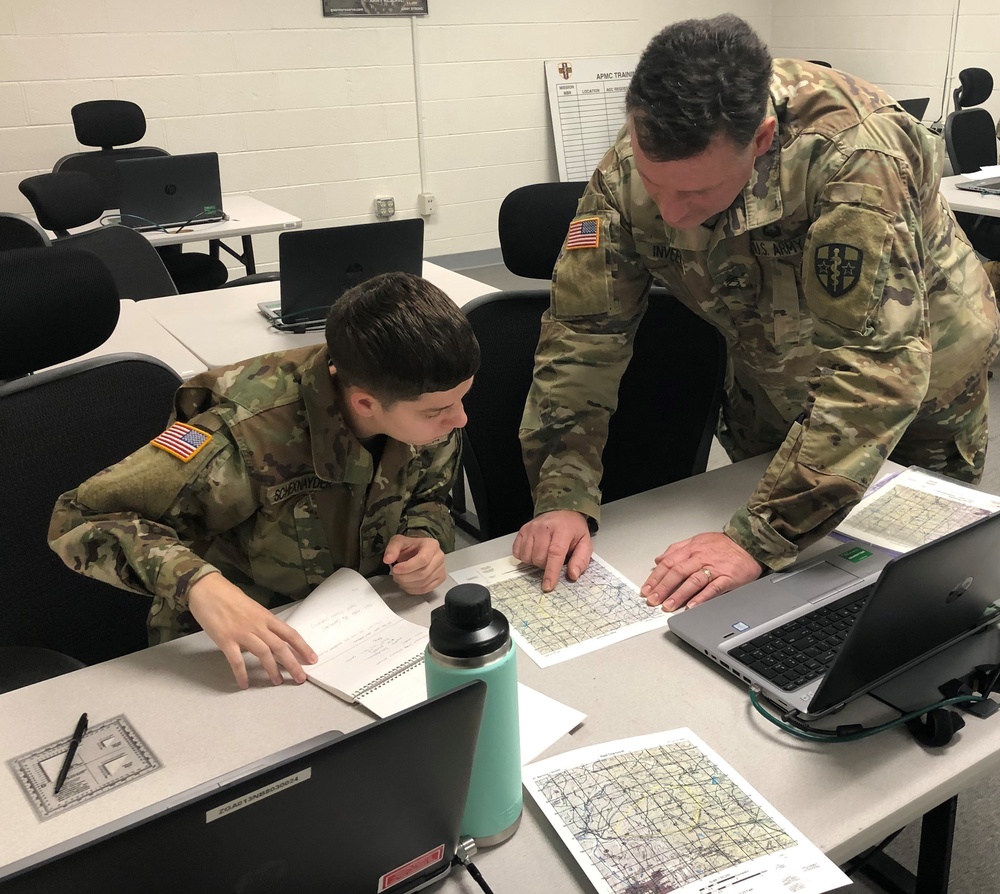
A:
(838, 267)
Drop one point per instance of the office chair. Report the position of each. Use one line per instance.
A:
(532, 225)
(57, 428)
(661, 432)
(71, 199)
(111, 124)
(18, 231)
(970, 139)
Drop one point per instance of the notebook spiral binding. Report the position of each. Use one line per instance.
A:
(389, 675)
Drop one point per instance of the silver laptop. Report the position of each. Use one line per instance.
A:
(836, 627)
(989, 186)
(318, 266)
(166, 191)
(377, 810)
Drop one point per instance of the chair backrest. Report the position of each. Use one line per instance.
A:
(63, 200)
(55, 306)
(134, 263)
(970, 139)
(18, 231)
(975, 87)
(532, 226)
(57, 428)
(110, 124)
(662, 431)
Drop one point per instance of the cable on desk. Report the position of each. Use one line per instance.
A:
(850, 732)
(466, 848)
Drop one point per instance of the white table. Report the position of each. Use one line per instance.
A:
(223, 326)
(137, 332)
(971, 202)
(182, 700)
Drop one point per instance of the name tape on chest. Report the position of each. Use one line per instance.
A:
(182, 440)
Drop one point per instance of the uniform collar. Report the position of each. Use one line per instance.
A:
(338, 455)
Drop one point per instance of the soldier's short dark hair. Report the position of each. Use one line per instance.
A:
(696, 79)
(398, 336)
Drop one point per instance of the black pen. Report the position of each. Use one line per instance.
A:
(74, 743)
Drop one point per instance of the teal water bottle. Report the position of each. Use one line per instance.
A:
(470, 640)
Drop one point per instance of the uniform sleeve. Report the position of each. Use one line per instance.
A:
(428, 511)
(863, 284)
(599, 293)
(137, 525)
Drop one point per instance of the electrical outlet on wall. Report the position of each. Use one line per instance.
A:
(385, 207)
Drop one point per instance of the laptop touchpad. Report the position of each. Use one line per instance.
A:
(817, 581)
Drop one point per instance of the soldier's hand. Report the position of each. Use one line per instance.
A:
(236, 623)
(554, 539)
(415, 563)
(697, 569)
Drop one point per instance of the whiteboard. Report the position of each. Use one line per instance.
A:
(587, 105)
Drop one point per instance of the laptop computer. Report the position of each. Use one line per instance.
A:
(989, 186)
(916, 107)
(164, 191)
(830, 630)
(376, 810)
(318, 266)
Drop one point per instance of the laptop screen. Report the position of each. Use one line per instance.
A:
(375, 810)
(170, 190)
(318, 266)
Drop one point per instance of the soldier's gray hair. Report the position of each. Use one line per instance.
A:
(398, 336)
(696, 79)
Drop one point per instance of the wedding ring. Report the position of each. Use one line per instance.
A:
(708, 573)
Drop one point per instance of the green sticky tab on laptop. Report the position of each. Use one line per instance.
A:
(856, 554)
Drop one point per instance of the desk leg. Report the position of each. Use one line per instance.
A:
(937, 835)
(246, 259)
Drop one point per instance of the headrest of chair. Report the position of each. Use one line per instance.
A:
(977, 85)
(55, 306)
(108, 122)
(64, 199)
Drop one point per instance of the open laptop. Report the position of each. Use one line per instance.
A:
(836, 627)
(989, 186)
(916, 107)
(164, 191)
(318, 266)
(376, 810)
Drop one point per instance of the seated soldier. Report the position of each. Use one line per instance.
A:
(276, 471)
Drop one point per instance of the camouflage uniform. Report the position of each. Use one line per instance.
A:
(858, 320)
(280, 497)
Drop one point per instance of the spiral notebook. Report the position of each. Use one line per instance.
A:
(367, 653)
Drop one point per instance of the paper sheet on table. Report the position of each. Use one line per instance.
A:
(983, 173)
(664, 812)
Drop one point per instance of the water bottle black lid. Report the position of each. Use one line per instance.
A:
(467, 625)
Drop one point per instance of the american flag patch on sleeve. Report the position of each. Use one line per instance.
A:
(585, 233)
(182, 440)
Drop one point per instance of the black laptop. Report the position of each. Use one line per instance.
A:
(377, 810)
(318, 266)
(916, 107)
(833, 628)
(168, 191)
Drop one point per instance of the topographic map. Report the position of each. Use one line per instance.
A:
(599, 608)
(658, 813)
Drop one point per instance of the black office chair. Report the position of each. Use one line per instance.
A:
(970, 138)
(69, 199)
(113, 124)
(18, 231)
(662, 431)
(532, 225)
(57, 428)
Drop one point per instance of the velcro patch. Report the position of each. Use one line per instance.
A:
(838, 267)
(182, 440)
(584, 233)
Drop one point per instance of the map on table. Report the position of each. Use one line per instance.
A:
(664, 813)
(599, 608)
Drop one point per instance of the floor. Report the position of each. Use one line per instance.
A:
(978, 828)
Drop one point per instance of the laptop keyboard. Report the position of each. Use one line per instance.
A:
(801, 650)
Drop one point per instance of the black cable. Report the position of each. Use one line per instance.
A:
(850, 733)
(473, 870)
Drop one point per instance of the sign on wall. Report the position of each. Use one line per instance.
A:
(375, 7)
